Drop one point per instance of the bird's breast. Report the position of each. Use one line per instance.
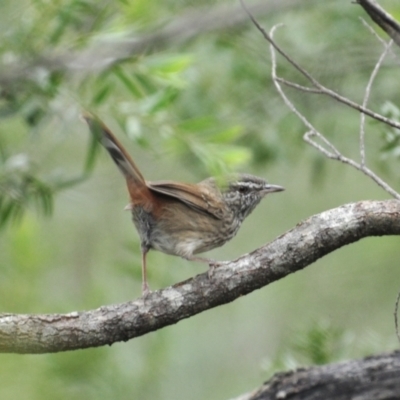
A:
(180, 230)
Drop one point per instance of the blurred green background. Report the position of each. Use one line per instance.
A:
(186, 108)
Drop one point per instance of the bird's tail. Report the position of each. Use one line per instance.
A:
(117, 152)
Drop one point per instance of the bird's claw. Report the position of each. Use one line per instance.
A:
(211, 270)
(145, 290)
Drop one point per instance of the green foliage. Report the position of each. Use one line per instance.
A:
(320, 344)
(214, 150)
(391, 136)
(20, 189)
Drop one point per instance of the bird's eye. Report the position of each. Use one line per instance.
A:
(243, 189)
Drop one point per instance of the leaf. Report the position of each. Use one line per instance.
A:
(199, 124)
(102, 94)
(91, 154)
(234, 156)
(160, 100)
(130, 84)
(390, 110)
(228, 135)
(171, 64)
(6, 211)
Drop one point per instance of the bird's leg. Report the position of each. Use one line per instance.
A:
(145, 286)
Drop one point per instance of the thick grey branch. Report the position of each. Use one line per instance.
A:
(371, 378)
(290, 252)
(382, 18)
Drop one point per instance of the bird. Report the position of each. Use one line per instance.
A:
(182, 219)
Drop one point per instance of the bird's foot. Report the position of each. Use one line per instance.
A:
(145, 290)
(212, 264)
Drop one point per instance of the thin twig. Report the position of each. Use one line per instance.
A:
(298, 87)
(291, 106)
(372, 31)
(328, 149)
(380, 182)
(396, 311)
(324, 90)
(366, 98)
(345, 160)
(334, 156)
(380, 40)
(382, 19)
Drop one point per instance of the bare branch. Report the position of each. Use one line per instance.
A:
(340, 157)
(322, 89)
(290, 252)
(373, 32)
(336, 155)
(382, 18)
(328, 149)
(370, 378)
(298, 87)
(366, 98)
(278, 48)
(396, 320)
(379, 39)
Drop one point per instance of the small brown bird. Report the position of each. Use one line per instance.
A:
(182, 219)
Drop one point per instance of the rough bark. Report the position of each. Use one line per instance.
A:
(382, 19)
(290, 252)
(372, 378)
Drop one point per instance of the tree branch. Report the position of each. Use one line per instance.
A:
(327, 148)
(290, 252)
(370, 378)
(318, 88)
(381, 18)
(366, 98)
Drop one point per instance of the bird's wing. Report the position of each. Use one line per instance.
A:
(199, 197)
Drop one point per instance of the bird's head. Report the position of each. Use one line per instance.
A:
(243, 192)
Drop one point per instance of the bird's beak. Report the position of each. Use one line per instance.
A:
(272, 188)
